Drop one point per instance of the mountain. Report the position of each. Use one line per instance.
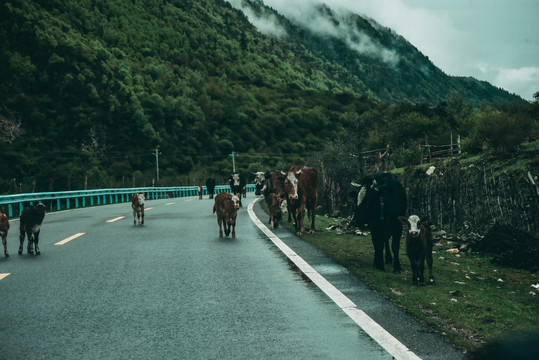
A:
(391, 68)
(89, 89)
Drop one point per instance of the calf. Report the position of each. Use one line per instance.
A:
(226, 206)
(137, 203)
(276, 208)
(4, 227)
(418, 247)
(30, 225)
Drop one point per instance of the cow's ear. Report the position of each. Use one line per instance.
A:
(425, 221)
(404, 220)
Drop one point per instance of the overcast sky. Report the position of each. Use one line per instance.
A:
(492, 40)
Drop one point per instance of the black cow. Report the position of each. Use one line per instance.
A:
(269, 182)
(260, 182)
(237, 185)
(210, 186)
(30, 225)
(273, 182)
(381, 200)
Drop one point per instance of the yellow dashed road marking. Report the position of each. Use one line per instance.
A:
(69, 239)
(4, 275)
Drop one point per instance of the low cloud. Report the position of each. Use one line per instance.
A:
(306, 14)
(267, 25)
(456, 36)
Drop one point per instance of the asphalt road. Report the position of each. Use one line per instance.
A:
(173, 289)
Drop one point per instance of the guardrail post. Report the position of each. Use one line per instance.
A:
(10, 210)
(58, 205)
(67, 203)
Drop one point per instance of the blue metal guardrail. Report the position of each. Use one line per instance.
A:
(83, 198)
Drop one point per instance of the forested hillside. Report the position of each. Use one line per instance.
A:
(392, 68)
(89, 89)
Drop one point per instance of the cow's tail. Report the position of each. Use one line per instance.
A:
(214, 209)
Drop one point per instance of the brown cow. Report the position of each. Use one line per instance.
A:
(301, 188)
(418, 247)
(4, 227)
(226, 206)
(137, 203)
(276, 208)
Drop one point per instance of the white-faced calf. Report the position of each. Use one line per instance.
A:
(418, 247)
(226, 206)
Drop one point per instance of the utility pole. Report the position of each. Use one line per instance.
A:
(233, 154)
(157, 163)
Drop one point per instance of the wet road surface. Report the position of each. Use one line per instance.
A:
(173, 289)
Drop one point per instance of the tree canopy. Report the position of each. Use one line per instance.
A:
(90, 89)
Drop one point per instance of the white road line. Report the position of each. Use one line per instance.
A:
(170, 203)
(372, 328)
(69, 239)
(150, 208)
(115, 219)
(4, 275)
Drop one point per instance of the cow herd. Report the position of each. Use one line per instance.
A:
(381, 206)
(29, 226)
(292, 192)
